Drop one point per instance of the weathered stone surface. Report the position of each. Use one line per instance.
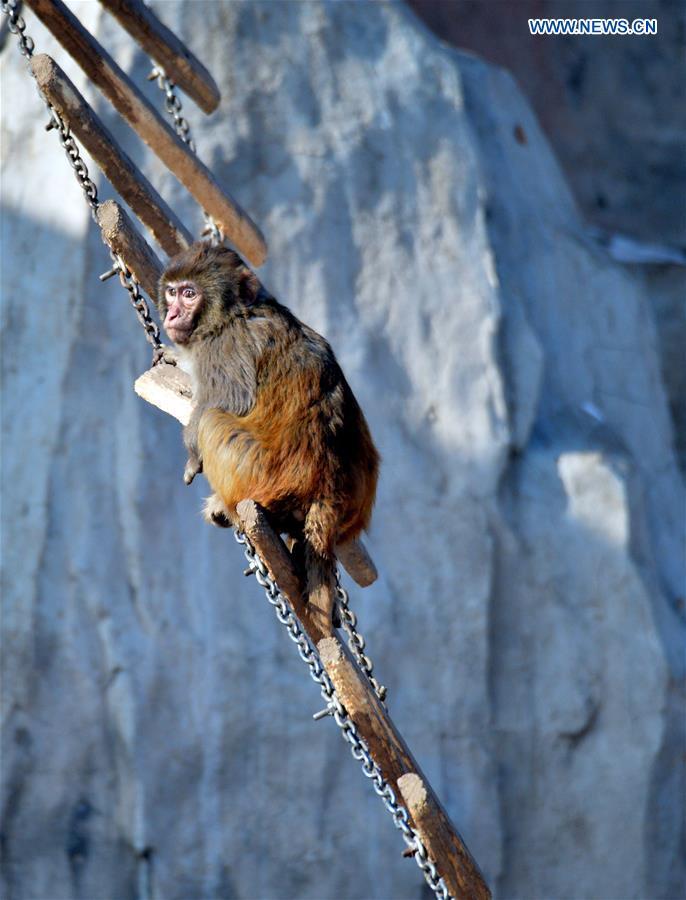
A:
(625, 160)
(158, 740)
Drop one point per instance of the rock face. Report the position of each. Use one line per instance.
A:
(528, 620)
(625, 162)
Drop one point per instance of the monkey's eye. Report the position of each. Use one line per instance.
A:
(170, 291)
(189, 293)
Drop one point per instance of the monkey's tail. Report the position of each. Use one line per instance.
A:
(319, 533)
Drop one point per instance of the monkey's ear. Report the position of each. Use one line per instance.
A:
(248, 285)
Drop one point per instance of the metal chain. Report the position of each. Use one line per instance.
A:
(355, 640)
(72, 150)
(212, 231)
(173, 105)
(17, 25)
(128, 281)
(358, 746)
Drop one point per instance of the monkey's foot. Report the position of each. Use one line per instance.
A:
(215, 513)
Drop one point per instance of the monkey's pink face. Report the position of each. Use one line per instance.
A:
(184, 299)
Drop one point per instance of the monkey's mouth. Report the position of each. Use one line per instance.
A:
(178, 334)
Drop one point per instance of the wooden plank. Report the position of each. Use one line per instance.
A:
(122, 173)
(120, 235)
(157, 134)
(168, 388)
(390, 752)
(169, 392)
(371, 718)
(166, 49)
(438, 841)
(355, 559)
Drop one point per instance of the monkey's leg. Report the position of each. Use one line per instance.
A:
(296, 547)
(190, 439)
(319, 531)
(216, 513)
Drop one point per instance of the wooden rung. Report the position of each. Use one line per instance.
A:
(120, 235)
(169, 389)
(461, 877)
(122, 173)
(157, 134)
(166, 49)
(355, 559)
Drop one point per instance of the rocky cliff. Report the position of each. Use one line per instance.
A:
(529, 618)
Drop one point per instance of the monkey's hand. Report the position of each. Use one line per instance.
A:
(165, 354)
(193, 468)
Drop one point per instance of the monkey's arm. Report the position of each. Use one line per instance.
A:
(225, 378)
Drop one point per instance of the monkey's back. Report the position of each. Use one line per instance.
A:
(304, 442)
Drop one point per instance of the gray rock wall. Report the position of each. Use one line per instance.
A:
(611, 109)
(609, 104)
(527, 621)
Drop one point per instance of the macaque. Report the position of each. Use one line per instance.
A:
(274, 419)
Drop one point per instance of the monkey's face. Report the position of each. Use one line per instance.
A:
(183, 300)
(200, 288)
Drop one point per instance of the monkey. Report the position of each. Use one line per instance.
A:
(274, 418)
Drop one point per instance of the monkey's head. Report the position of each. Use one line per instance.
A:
(199, 289)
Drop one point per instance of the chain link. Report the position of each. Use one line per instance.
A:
(173, 105)
(128, 281)
(355, 640)
(358, 746)
(212, 231)
(73, 155)
(17, 25)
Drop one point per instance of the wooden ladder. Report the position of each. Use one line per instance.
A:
(168, 388)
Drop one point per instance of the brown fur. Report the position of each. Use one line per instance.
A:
(274, 417)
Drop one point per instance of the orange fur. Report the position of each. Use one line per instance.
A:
(275, 456)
